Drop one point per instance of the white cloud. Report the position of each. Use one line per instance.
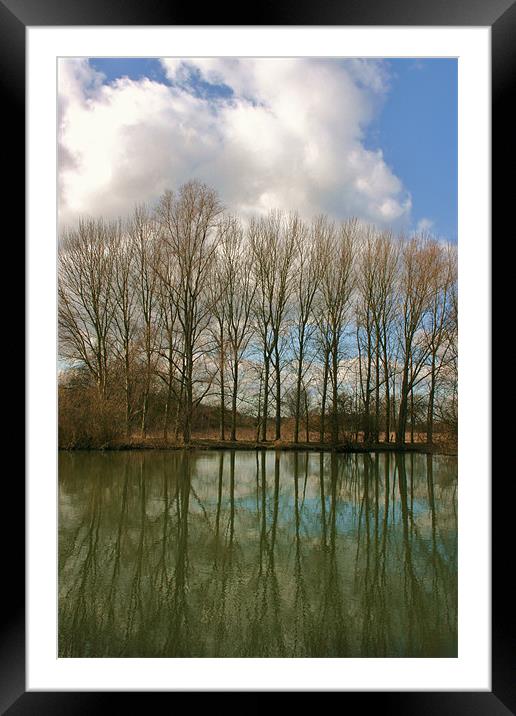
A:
(424, 225)
(291, 134)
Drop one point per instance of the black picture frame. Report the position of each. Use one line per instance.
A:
(15, 16)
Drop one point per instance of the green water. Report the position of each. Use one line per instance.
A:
(257, 554)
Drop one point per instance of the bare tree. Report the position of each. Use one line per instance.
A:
(417, 274)
(446, 394)
(143, 236)
(376, 282)
(441, 325)
(170, 337)
(384, 308)
(237, 301)
(189, 222)
(336, 287)
(85, 295)
(284, 258)
(306, 272)
(124, 317)
(183, 305)
(217, 287)
(260, 241)
(365, 321)
(272, 241)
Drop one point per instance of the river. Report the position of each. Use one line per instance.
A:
(257, 554)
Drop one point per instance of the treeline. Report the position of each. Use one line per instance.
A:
(185, 312)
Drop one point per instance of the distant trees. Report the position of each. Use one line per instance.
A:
(183, 311)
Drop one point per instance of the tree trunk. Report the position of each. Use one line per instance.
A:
(278, 392)
(178, 412)
(127, 408)
(387, 398)
(144, 412)
(167, 410)
(412, 417)
(265, 397)
(367, 393)
(334, 381)
(403, 408)
(431, 399)
(187, 426)
(307, 418)
(324, 392)
(258, 417)
(298, 385)
(377, 395)
(234, 399)
(222, 389)
(146, 392)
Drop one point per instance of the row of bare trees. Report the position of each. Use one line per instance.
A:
(334, 325)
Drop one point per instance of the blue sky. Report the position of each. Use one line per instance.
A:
(134, 67)
(398, 129)
(417, 130)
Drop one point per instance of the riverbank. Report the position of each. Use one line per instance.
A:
(283, 446)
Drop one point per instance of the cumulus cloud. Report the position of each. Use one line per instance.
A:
(266, 133)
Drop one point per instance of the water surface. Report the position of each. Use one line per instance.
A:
(257, 554)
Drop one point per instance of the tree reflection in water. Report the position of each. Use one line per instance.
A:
(257, 554)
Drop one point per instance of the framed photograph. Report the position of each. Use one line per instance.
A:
(258, 358)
